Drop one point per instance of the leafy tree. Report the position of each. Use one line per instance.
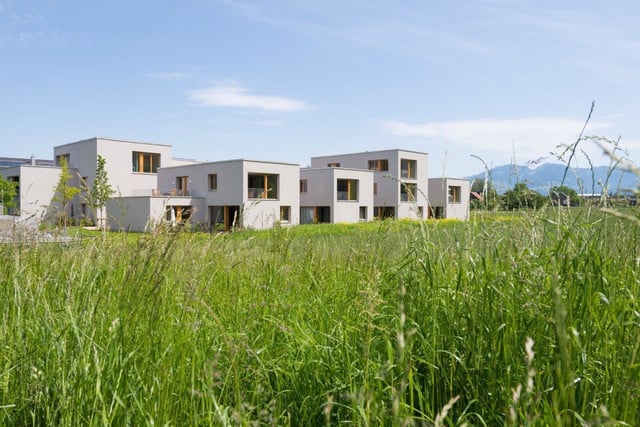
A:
(7, 193)
(522, 197)
(490, 195)
(101, 192)
(560, 194)
(64, 192)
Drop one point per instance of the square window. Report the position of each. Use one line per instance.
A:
(347, 189)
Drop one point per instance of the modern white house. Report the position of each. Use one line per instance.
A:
(399, 179)
(335, 195)
(132, 168)
(233, 193)
(449, 198)
(35, 187)
(153, 187)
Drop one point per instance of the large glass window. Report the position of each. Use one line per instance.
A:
(408, 192)
(145, 162)
(408, 168)
(262, 186)
(454, 194)
(347, 189)
(379, 165)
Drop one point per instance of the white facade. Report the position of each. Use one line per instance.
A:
(152, 187)
(130, 166)
(400, 179)
(247, 193)
(131, 170)
(145, 213)
(449, 198)
(335, 195)
(35, 191)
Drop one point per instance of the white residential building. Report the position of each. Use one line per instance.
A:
(335, 195)
(132, 172)
(35, 189)
(399, 179)
(449, 198)
(152, 187)
(248, 193)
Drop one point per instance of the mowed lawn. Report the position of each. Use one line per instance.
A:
(507, 319)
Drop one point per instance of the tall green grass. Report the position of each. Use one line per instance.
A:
(513, 320)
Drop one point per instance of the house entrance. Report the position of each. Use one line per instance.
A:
(224, 217)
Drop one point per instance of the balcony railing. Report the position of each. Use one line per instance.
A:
(260, 193)
(174, 192)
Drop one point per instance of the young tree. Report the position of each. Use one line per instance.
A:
(7, 194)
(64, 192)
(101, 192)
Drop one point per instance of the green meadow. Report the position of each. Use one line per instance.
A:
(507, 319)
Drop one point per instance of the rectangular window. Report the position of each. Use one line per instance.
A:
(408, 192)
(285, 213)
(65, 157)
(304, 185)
(383, 212)
(454, 194)
(262, 186)
(375, 188)
(213, 181)
(182, 185)
(408, 168)
(379, 165)
(347, 189)
(145, 162)
(333, 165)
(363, 213)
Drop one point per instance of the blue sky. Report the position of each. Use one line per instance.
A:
(287, 80)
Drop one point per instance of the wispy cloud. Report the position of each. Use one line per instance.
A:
(365, 24)
(528, 137)
(235, 96)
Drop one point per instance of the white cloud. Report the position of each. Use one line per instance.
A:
(235, 96)
(529, 138)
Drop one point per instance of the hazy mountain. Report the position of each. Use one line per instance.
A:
(547, 175)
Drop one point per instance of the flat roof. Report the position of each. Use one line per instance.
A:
(110, 139)
(336, 168)
(229, 161)
(371, 152)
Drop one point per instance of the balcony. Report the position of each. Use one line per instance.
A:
(174, 192)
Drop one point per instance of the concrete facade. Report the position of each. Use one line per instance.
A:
(35, 191)
(399, 176)
(152, 188)
(449, 198)
(125, 163)
(331, 189)
(248, 193)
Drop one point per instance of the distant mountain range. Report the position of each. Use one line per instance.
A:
(541, 178)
